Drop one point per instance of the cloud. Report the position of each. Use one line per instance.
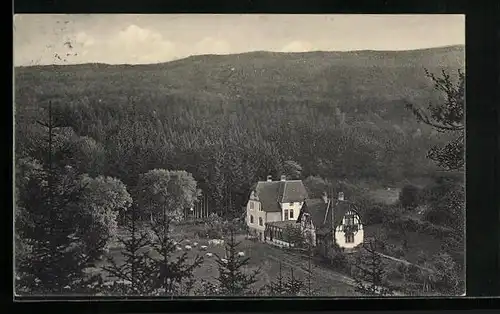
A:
(140, 45)
(210, 45)
(297, 46)
(84, 39)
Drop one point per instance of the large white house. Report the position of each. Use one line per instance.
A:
(274, 201)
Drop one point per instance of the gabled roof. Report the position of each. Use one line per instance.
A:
(321, 215)
(271, 194)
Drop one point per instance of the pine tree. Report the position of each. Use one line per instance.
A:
(447, 117)
(133, 275)
(278, 287)
(232, 280)
(370, 275)
(168, 276)
(48, 199)
(289, 286)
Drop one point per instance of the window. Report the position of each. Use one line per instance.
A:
(291, 213)
(261, 223)
(292, 203)
(349, 238)
(349, 219)
(251, 219)
(259, 207)
(251, 205)
(286, 214)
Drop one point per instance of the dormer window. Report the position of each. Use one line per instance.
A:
(292, 203)
(251, 205)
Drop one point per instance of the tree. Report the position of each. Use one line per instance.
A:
(447, 117)
(232, 280)
(289, 286)
(444, 276)
(370, 273)
(47, 194)
(409, 196)
(46, 225)
(292, 170)
(133, 275)
(97, 211)
(162, 191)
(316, 186)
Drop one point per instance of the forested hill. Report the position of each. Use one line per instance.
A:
(232, 119)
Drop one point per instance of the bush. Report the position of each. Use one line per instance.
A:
(213, 228)
(395, 274)
(409, 197)
(374, 215)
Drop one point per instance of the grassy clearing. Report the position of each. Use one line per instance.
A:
(264, 256)
(385, 196)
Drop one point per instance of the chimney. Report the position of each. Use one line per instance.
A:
(269, 178)
(283, 178)
(341, 196)
(325, 197)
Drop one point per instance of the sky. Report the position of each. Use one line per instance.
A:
(140, 39)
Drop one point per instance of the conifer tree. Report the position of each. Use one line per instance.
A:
(133, 275)
(169, 276)
(46, 196)
(370, 275)
(289, 286)
(232, 280)
(446, 117)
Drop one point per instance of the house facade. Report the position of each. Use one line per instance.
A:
(274, 201)
(331, 221)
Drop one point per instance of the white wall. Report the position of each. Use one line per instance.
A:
(296, 206)
(340, 238)
(256, 213)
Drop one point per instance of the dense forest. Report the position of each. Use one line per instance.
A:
(232, 120)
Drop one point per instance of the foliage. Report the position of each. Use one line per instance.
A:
(445, 276)
(294, 236)
(289, 286)
(374, 214)
(409, 196)
(446, 202)
(214, 227)
(337, 258)
(133, 276)
(229, 144)
(292, 170)
(370, 274)
(162, 191)
(448, 116)
(46, 226)
(153, 271)
(232, 279)
(97, 211)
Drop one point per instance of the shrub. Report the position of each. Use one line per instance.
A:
(409, 197)
(374, 215)
(213, 228)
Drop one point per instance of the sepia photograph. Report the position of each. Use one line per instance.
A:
(239, 155)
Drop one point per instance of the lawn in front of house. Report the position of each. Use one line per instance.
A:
(262, 256)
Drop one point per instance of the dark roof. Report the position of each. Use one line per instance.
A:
(319, 210)
(272, 193)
